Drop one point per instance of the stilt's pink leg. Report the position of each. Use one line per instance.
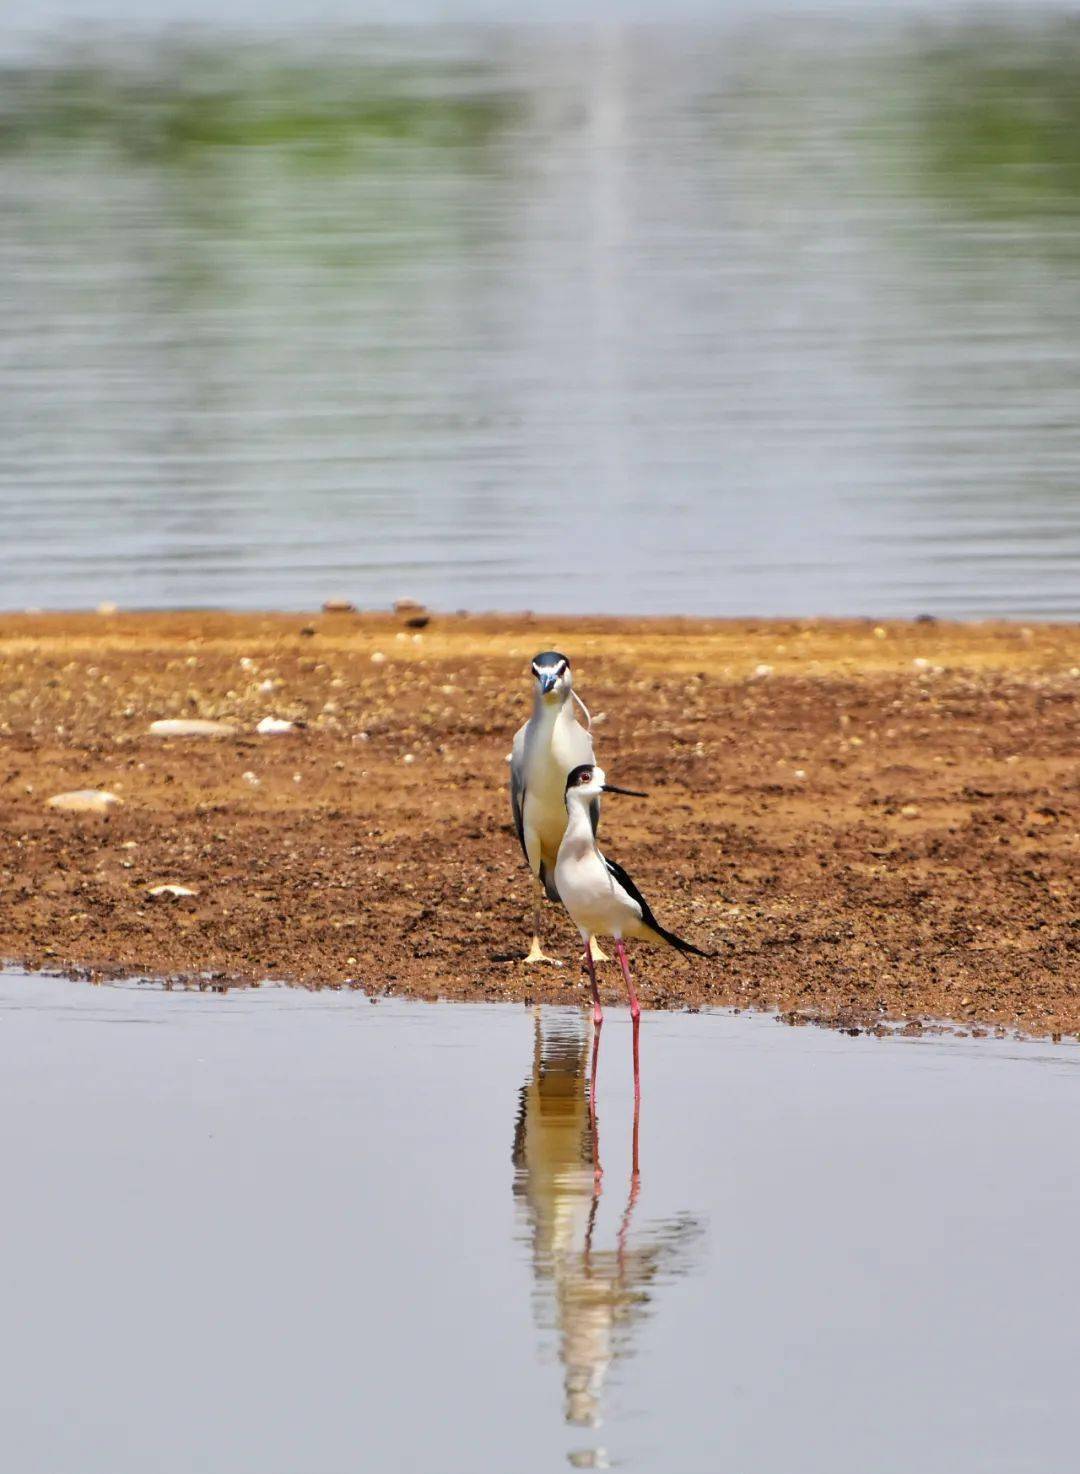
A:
(635, 1014)
(636, 1026)
(635, 1173)
(594, 1127)
(597, 1011)
(635, 1169)
(624, 963)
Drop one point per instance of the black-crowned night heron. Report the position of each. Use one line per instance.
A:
(548, 746)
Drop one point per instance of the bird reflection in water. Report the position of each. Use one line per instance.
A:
(592, 1295)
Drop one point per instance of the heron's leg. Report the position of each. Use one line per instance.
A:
(624, 963)
(536, 952)
(597, 1011)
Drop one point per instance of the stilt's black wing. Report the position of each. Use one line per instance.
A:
(646, 912)
(632, 891)
(594, 815)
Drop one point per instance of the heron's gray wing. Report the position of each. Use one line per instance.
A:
(517, 792)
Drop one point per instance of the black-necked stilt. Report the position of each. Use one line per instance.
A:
(601, 898)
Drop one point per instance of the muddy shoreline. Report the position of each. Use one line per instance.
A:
(866, 822)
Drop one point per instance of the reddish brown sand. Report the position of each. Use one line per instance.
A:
(865, 823)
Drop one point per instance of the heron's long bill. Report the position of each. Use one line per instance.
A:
(630, 792)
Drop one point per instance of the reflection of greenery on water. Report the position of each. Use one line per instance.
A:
(234, 144)
(998, 119)
(188, 101)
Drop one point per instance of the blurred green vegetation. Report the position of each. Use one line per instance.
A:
(997, 119)
(185, 102)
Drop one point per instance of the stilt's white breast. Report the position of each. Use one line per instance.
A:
(596, 901)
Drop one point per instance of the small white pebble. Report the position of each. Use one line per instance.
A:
(800, 772)
(85, 801)
(246, 663)
(266, 685)
(252, 778)
(377, 657)
(921, 663)
(880, 633)
(269, 725)
(408, 758)
(296, 778)
(171, 890)
(761, 671)
(191, 727)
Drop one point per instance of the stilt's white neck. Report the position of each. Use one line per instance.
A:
(579, 829)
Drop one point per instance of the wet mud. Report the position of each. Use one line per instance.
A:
(865, 822)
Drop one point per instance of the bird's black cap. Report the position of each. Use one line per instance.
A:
(575, 775)
(550, 657)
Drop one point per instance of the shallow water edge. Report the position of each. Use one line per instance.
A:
(884, 1027)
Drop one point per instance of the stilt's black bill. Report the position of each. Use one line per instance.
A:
(630, 792)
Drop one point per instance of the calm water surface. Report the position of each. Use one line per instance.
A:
(765, 314)
(280, 1232)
